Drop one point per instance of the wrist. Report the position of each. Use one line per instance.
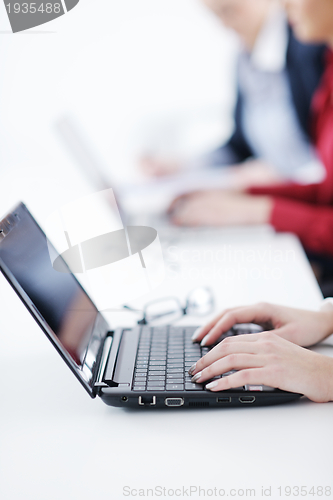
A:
(263, 209)
(326, 312)
(328, 377)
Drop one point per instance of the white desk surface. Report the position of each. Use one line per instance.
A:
(58, 444)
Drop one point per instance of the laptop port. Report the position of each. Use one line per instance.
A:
(247, 399)
(124, 398)
(174, 402)
(223, 400)
(147, 400)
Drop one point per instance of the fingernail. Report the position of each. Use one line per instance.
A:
(196, 334)
(204, 341)
(211, 385)
(196, 377)
(192, 369)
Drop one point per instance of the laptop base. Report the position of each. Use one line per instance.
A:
(225, 399)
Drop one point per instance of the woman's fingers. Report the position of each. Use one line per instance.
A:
(178, 201)
(232, 362)
(231, 313)
(229, 346)
(259, 313)
(201, 332)
(267, 359)
(255, 376)
(188, 213)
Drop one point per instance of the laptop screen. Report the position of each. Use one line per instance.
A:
(57, 296)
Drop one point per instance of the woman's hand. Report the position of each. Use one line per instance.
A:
(154, 166)
(266, 359)
(220, 208)
(299, 326)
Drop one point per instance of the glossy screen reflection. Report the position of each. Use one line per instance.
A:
(58, 296)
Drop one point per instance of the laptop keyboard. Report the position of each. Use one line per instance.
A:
(166, 353)
(164, 357)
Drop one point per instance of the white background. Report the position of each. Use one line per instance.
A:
(125, 69)
(137, 75)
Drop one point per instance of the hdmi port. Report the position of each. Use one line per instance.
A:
(247, 399)
(174, 402)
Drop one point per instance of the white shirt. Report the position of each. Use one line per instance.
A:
(269, 120)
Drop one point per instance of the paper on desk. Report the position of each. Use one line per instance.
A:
(157, 194)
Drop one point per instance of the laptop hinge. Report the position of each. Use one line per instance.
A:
(105, 355)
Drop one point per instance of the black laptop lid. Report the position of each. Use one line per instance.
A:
(56, 299)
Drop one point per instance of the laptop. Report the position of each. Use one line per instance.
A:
(136, 367)
(81, 150)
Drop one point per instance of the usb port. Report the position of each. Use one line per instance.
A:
(223, 400)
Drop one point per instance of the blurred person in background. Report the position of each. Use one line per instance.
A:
(306, 210)
(278, 358)
(277, 76)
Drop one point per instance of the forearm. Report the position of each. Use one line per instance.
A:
(326, 314)
(312, 224)
(291, 191)
(322, 372)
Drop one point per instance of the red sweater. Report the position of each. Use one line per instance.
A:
(308, 210)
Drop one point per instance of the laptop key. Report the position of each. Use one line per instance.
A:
(189, 330)
(188, 366)
(156, 373)
(250, 387)
(155, 388)
(175, 381)
(177, 375)
(139, 388)
(175, 387)
(156, 383)
(226, 374)
(189, 386)
(160, 330)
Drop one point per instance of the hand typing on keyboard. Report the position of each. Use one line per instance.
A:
(273, 358)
